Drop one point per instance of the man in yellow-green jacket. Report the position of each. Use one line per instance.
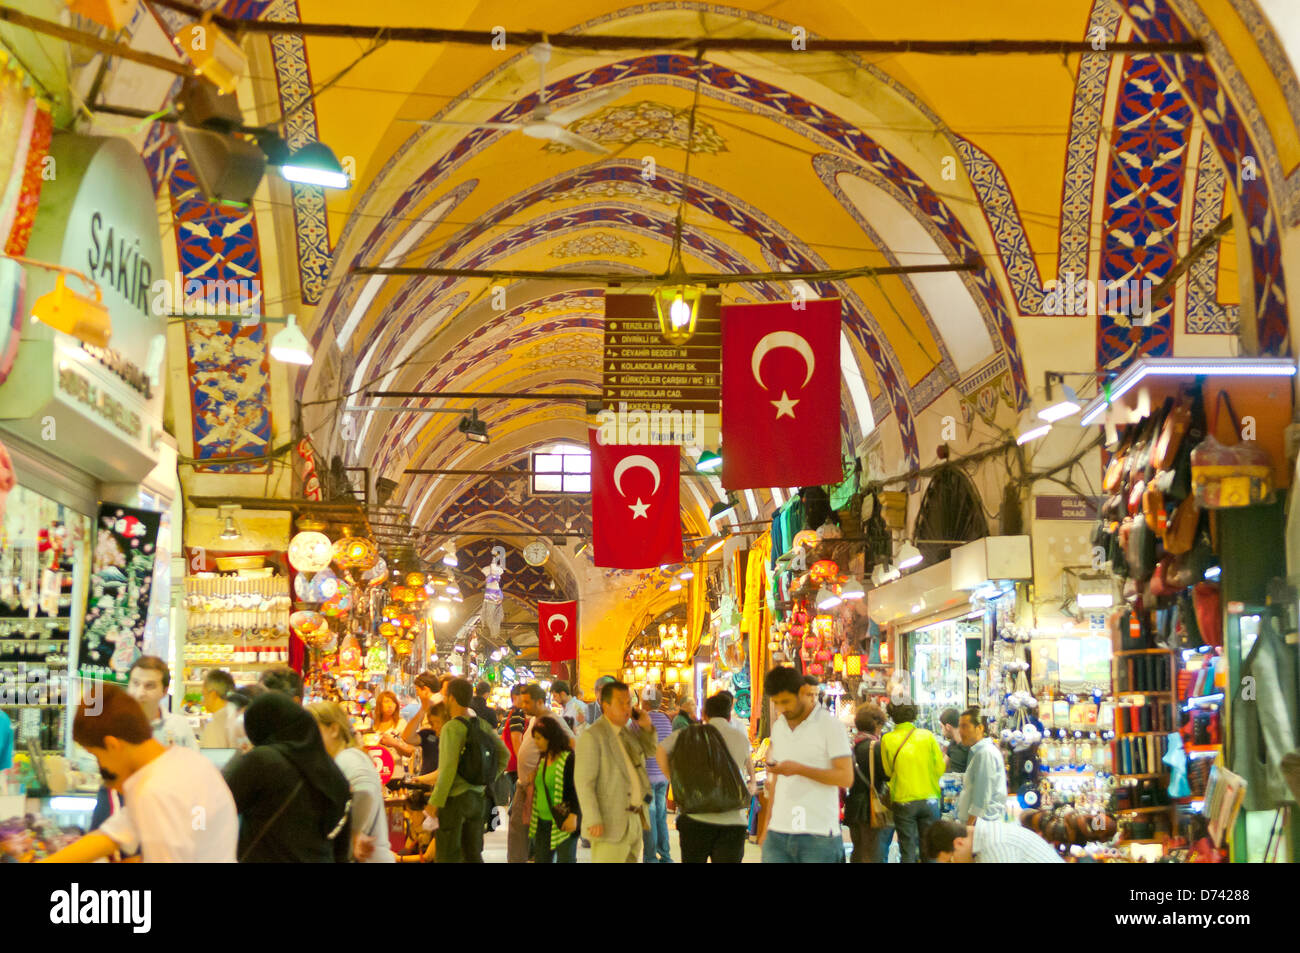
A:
(913, 762)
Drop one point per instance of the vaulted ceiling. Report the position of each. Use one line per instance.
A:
(1102, 166)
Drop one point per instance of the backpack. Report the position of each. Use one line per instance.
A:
(478, 759)
(705, 778)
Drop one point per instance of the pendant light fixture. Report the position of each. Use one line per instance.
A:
(826, 599)
(229, 528)
(909, 556)
(315, 164)
(677, 301)
(290, 345)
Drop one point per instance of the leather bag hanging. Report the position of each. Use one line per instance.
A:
(1226, 477)
(1141, 550)
(1176, 424)
(1209, 612)
(1180, 531)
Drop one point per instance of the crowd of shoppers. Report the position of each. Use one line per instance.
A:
(303, 789)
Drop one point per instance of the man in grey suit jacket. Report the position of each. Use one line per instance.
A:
(610, 774)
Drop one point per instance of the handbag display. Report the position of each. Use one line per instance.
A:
(1226, 477)
(1209, 613)
(1180, 531)
(1177, 423)
(1140, 550)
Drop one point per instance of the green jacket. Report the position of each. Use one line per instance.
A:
(451, 742)
(915, 775)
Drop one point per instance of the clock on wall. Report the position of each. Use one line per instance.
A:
(536, 553)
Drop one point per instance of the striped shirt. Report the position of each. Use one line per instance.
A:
(663, 728)
(998, 843)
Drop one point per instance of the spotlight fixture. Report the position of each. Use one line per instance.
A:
(721, 508)
(709, 462)
(909, 556)
(114, 14)
(675, 586)
(315, 164)
(450, 558)
(442, 615)
(583, 546)
(884, 574)
(687, 573)
(229, 529)
(475, 430)
(216, 57)
(290, 345)
(1031, 427)
(1066, 404)
(852, 589)
(85, 318)
(1184, 367)
(827, 599)
(715, 546)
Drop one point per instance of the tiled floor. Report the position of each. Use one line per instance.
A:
(494, 847)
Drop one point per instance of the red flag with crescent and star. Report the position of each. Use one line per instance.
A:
(781, 394)
(636, 519)
(557, 631)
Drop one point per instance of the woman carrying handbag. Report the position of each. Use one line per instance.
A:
(553, 828)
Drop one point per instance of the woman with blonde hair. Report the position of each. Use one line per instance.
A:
(369, 821)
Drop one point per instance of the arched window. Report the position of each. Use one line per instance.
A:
(951, 511)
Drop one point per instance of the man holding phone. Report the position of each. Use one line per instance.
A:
(610, 775)
(808, 760)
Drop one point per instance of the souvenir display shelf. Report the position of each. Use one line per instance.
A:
(239, 621)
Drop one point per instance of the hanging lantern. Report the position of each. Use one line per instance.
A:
(310, 551)
(823, 655)
(354, 552)
(402, 647)
(678, 308)
(350, 654)
(838, 664)
(407, 620)
(773, 646)
(415, 579)
(639, 671)
(670, 675)
(338, 604)
(324, 585)
(311, 627)
(824, 570)
(853, 665)
(815, 668)
(654, 675)
(810, 643)
(388, 630)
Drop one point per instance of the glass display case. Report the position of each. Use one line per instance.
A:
(939, 657)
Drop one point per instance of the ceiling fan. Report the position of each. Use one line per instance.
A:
(546, 123)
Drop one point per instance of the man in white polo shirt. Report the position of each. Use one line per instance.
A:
(809, 759)
(178, 808)
(987, 842)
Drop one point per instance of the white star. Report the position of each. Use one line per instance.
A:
(559, 636)
(639, 509)
(784, 406)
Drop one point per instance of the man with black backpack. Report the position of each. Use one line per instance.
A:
(712, 776)
(470, 757)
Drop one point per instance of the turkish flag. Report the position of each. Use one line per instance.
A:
(557, 631)
(781, 395)
(636, 519)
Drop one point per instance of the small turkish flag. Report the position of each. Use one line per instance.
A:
(557, 631)
(781, 395)
(636, 519)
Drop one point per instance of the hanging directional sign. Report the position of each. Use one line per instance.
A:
(644, 372)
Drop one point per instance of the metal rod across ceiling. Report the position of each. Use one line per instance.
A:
(773, 44)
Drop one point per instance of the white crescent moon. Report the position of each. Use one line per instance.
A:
(550, 623)
(776, 339)
(631, 462)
